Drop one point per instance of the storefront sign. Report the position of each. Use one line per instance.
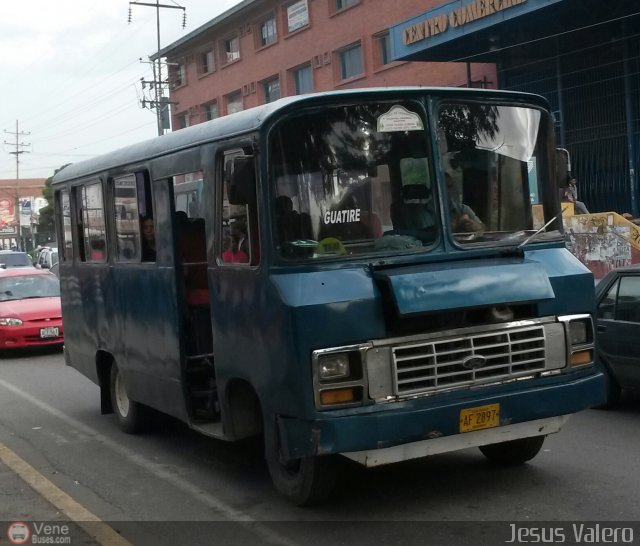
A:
(455, 18)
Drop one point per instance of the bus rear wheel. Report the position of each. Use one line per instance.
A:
(131, 415)
(305, 481)
(513, 452)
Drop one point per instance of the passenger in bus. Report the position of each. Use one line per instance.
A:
(98, 250)
(240, 230)
(233, 253)
(463, 218)
(148, 240)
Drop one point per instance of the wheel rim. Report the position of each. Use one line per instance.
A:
(122, 400)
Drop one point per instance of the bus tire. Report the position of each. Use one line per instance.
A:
(131, 415)
(304, 481)
(513, 452)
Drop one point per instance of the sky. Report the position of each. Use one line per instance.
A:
(70, 76)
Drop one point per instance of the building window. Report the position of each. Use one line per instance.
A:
(271, 89)
(206, 63)
(232, 49)
(210, 110)
(302, 81)
(234, 102)
(184, 120)
(342, 4)
(297, 16)
(383, 48)
(268, 33)
(351, 61)
(178, 74)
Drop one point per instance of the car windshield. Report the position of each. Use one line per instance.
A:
(496, 172)
(15, 259)
(29, 286)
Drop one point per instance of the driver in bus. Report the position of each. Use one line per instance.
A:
(463, 218)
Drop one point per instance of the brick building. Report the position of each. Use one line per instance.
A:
(260, 50)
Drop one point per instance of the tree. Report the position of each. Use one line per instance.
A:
(46, 226)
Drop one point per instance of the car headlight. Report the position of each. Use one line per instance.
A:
(10, 322)
(333, 366)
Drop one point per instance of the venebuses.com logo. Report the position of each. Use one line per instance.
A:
(18, 533)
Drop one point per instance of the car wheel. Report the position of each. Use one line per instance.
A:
(132, 416)
(303, 481)
(513, 452)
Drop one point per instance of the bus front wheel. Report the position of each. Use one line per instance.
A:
(513, 452)
(303, 481)
(130, 414)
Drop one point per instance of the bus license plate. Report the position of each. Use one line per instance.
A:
(51, 331)
(479, 418)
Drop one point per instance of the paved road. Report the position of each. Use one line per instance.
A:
(160, 487)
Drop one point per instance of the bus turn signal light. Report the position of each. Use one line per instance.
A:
(337, 396)
(581, 357)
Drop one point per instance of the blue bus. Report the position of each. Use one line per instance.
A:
(359, 274)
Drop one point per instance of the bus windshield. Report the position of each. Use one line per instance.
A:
(359, 179)
(495, 163)
(343, 175)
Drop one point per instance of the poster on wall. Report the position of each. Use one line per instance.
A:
(8, 222)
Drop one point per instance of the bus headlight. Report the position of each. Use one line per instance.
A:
(333, 366)
(338, 377)
(580, 339)
(578, 332)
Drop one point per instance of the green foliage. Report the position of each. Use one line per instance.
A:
(46, 215)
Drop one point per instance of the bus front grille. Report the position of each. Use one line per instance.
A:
(468, 360)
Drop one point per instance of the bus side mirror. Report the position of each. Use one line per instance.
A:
(242, 181)
(563, 167)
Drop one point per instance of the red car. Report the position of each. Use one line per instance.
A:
(30, 314)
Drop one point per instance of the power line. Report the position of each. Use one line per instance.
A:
(160, 103)
(18, 152)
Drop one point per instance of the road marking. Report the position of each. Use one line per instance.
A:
(94, 526)
(268, 535)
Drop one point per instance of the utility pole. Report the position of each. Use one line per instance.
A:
(18, 150)
(158, 82)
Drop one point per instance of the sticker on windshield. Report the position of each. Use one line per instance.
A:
(399, 119)
(330, 246)
(342, 216)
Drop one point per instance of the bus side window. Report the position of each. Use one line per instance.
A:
(63, 214)
(239, 241)
(90, 227)
(134, 224)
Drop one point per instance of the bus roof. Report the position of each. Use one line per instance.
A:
(246, 121)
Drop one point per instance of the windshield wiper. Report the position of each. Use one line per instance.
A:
(534, 235)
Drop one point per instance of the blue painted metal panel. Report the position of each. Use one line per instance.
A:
(467, 284)
(454, 20)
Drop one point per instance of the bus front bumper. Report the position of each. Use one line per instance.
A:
(399, 431)
(415, 450)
